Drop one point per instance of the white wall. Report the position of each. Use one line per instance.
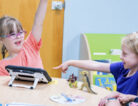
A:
(95, 16)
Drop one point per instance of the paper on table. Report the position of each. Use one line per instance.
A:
(67, 99)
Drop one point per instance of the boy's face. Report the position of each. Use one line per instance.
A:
(129, 58)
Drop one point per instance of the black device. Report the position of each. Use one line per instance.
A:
(27, 74)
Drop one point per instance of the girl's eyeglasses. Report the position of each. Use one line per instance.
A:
(14, 35)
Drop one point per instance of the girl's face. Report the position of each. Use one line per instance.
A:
(129, 58)
(14, 41)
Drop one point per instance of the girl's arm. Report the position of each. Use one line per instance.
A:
(85, 64)
(39, 19)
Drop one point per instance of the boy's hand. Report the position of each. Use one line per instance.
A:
(126, 98)
(106, 99)
(103, 101)
(123, 99)
(63, 67)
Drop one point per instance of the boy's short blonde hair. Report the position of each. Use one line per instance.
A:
(131, 41)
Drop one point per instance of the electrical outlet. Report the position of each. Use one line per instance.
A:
(57, 5)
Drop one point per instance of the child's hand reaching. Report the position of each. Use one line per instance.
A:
(63, 67)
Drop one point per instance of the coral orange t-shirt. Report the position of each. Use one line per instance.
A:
(28, 56)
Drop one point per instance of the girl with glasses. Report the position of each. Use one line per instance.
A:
(17, 51)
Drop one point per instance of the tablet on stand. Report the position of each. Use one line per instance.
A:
(27, 74)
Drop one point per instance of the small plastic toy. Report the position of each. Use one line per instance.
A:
(86, 82)
(72, 81)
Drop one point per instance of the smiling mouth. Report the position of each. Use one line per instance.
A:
(18, 42)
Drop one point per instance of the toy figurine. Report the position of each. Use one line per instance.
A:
(86, 82)
(72, 81)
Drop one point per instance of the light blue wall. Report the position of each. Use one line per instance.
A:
(95, 16)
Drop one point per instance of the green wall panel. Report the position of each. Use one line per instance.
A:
(103, 43)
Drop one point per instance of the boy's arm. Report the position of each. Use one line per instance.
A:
(39, 19)
(110, 100)
(85, 64)
(124, 98)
